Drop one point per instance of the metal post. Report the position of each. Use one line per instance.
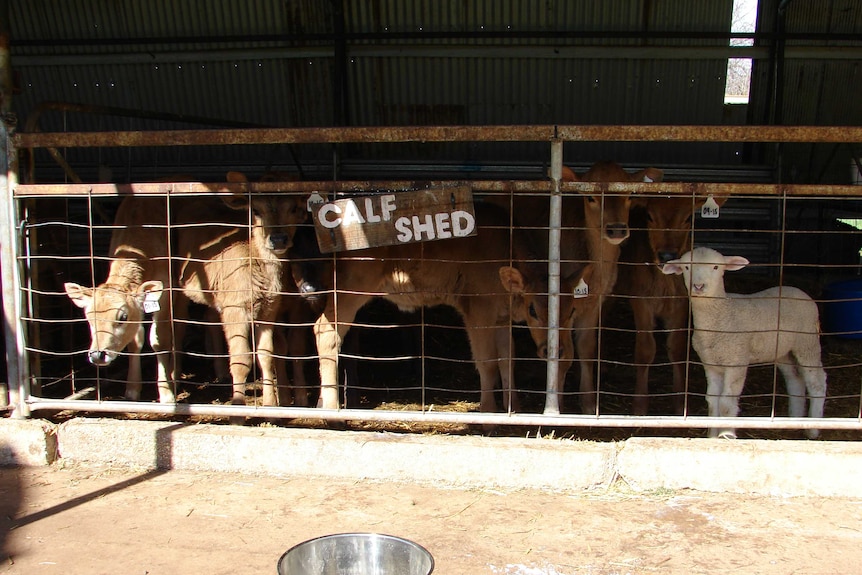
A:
(18, 387)
(552, 399)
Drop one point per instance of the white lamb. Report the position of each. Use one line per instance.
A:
(779, 325)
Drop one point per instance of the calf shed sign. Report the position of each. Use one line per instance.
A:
(394, 218)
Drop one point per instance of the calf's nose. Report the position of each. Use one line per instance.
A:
(279, 242)
(617, 231)
(99, 357)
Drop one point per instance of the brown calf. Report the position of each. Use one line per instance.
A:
(593, 230)
(138, 277)
(240, 274)
(470, 274)
(593, 227)
(661, 231)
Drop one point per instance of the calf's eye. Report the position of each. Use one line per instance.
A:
(533, 313)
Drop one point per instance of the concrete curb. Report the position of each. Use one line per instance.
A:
(794, 468)
(27, 442)
(786, 468)
(432, 459)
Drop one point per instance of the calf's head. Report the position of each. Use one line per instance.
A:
(610, 212)
(530, 304)
(669, 223)
(115, 315)
(273, 217)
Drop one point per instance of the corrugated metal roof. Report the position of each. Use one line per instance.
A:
(272, 63)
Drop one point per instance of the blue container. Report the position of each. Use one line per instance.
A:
(842, 309)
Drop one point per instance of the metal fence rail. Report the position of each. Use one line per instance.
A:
(18, 254)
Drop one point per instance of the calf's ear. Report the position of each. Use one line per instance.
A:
(154, 287)
(236, 201)
(569, 175)
(512, 280)
(237, 178)
(648, 175)
(81, 296)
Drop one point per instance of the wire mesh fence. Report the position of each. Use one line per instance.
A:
(451, 332)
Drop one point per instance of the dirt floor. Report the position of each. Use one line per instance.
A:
(82, 520)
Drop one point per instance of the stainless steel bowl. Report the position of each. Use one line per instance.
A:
(356, 554)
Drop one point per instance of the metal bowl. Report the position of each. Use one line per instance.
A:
(356, 554)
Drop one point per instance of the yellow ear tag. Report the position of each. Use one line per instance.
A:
(581, 290)
(313, 200)
(151, 302)
(709, 209)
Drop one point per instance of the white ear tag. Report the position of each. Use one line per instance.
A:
(709, 209)
(151, 302)
(313, 200)
(581, 290)
(648, 180)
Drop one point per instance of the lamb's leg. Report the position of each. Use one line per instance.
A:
(728, 402)
(714, 391)
(815, 383)
(795, 387)
(811, 368)
(645, 348)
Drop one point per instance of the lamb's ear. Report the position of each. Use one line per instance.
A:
(672, 267)
(512, 280)
(81, 296)
(733, 263)
(647, 175)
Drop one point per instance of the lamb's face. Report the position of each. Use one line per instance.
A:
(706, 273)
(702, 270)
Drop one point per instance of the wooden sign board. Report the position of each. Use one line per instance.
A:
(394, 218)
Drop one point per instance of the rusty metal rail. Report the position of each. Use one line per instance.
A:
(396, 134)
(496, 187)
